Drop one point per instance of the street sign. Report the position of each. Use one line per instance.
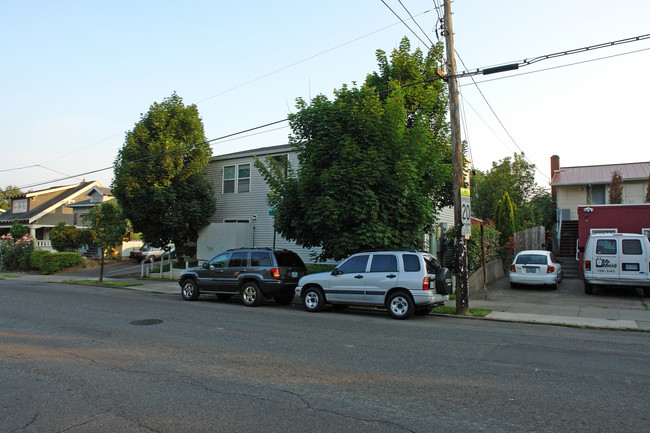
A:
(466, 211)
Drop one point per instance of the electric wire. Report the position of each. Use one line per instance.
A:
(416, 23)
(407, 26)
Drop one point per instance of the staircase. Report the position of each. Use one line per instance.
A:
(568, 239)
(569, 267)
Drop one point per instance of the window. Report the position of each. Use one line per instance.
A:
(606, 246)
(383, 263)
(354, 264)
(238, 259)
(531, 259)
(632, 247)
(19, 206)
(220, 261)
(260, 258)
(236, 178)
(411, 263)
(281, 163)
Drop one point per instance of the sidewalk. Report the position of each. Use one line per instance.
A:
(613, 308)
(606, 308)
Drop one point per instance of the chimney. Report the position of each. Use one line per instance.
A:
(555, 168)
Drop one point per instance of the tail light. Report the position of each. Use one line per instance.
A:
(512, 268)
(587, 265)
(275, 273)
(426, 283)
(550, 269)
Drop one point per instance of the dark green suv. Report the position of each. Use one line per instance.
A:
(253, 273)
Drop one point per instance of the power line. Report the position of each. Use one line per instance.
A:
(416, 23)
(407, 26)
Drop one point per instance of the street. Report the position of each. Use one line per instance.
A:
(89, 359)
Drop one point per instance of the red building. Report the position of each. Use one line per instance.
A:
(616, 218)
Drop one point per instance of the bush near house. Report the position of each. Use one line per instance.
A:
(49, 263)
(474, 254)
(15, 253)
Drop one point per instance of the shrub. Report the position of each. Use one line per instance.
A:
(64, 237)
(474, 254)
(18, 230)
(15, 253)
(54, 262)
(37, 257)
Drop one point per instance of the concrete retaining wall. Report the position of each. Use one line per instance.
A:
(494, 272)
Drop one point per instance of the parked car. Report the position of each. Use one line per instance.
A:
(535, 267)
(146, 252)
(617, 259)
(403, 282)
(253, 273)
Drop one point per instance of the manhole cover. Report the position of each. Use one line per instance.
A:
(146, 322)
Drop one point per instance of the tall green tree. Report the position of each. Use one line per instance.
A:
(616, 188)
(374, 164)
(504, 219)
(109, 228)
(159, 180)
(515, 176)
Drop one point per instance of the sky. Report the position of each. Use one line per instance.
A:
(77, 75)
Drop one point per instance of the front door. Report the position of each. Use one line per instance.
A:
(347, 282)
(210, 276)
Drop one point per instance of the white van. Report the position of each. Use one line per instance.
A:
(617, 259)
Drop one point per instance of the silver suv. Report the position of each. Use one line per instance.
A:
(404, 282)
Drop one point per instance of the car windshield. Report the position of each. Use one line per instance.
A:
(531, 259)
(288, 258)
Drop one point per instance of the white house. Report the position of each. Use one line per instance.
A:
(243, 217)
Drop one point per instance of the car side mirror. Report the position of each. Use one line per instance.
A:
(336, 271)
(206, 265)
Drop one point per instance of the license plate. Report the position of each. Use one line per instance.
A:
(294, 274)
(531, 270)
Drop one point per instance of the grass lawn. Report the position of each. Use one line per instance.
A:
(473, 312)
(105, 283)
(8, 276)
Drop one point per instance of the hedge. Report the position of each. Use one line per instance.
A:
(49, 263)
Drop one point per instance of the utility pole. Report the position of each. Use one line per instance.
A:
(460, 249)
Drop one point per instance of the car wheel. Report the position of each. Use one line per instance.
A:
(189, 290)
(589, 288)
(400, 305)
(251, 295)
(513, 285)
(284, 299)
(553, 286)
(313, 299)
(423, 311)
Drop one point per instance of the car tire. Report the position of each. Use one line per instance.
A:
(189, 290)
(400, 305)
(251, 295)
(589, 288)
(313, 299)
(513, 285)
(553, 286)
(646, 292)
(285, 299)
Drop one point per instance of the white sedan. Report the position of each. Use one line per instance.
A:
(535, 267)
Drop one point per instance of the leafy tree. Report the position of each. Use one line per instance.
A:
(5, 194)
(158, 176)
(108, 227)
(515, 176)
(647, 193)
(616, 188)
(374, 167)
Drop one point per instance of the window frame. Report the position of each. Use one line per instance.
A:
(236, 179)
(20, 205)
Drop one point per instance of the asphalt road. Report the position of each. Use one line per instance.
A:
(88, 359)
